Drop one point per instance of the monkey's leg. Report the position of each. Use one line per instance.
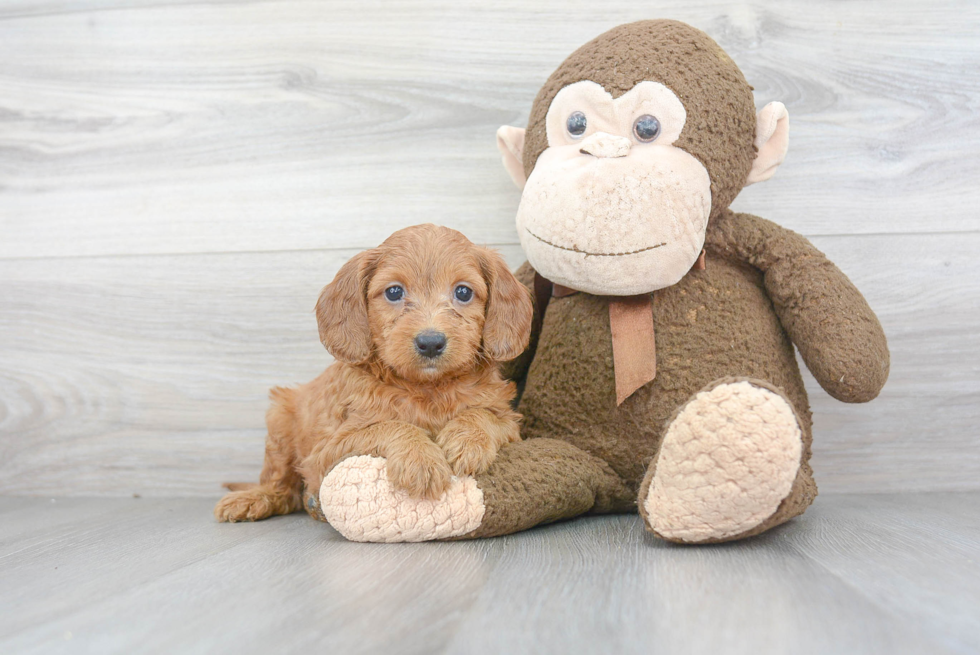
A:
(531, 482)
(732, 464)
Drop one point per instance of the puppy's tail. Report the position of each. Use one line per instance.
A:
(284, 397)
(279, 421)
(239, 486)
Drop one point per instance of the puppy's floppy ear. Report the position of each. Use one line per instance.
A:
(507, 328)
(341, 311)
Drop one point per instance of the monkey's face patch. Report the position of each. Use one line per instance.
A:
(612, 207)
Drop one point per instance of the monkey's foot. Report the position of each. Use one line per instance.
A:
(728, 460)
(360, 503)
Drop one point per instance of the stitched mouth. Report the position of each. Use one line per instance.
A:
(595, 254)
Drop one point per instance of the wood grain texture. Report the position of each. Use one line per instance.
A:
(858, 574)
(171, 127)
(179, 179)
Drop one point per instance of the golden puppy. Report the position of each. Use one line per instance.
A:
(417, 327)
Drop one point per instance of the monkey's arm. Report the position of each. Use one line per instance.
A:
(516, 369)
(824, 314)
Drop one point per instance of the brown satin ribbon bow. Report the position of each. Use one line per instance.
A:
(631, 324)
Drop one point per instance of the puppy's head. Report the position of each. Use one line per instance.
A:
(427, 303)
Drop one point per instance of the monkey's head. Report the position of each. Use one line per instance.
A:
(637, 140)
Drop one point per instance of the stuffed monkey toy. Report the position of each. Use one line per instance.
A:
(661, 374)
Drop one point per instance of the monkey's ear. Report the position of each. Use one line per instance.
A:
(507, 328)
(341, 311)
(771, 141)
(510, 143)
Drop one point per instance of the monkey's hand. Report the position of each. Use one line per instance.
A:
(837, 333)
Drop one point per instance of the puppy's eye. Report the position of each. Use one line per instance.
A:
(576, 124)
(394, 293)
(646, 128)
(463, 293)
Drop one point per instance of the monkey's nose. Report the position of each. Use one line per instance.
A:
(430, 343)
(602, 144)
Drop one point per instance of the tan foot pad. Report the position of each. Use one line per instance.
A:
(360, 503)
(727, 461)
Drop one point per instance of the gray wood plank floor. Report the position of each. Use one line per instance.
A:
(893, 573)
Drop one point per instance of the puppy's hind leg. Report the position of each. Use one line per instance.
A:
(279, 487)
(254, 504)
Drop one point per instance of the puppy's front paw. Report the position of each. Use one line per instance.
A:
(421, 470)
(469, 450)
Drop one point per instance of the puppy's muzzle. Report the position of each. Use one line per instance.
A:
(430, 344)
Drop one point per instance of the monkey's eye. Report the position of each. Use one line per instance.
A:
(576, 124)
(394, 293)
(463, 293)
(646, 128)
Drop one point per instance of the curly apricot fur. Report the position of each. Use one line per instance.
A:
(430, 417)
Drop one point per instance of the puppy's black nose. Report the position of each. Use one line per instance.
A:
(430, 343)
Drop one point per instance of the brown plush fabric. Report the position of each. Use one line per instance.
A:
(720, 127)
(718, 322)
(715, 323)
(763, 289)
(827, 318)
(545, 480)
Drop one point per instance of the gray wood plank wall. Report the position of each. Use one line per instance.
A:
(179, 179)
